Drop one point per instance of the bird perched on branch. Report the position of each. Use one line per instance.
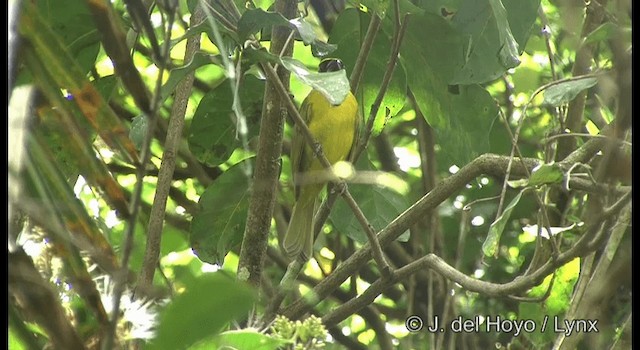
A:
(334, 127)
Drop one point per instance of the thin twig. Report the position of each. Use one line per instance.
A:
(486, 164)
(167, 167)
(388, 74)
(432, 261)
(580, 134)
(363, 55)
(135, 204)
(212, 12)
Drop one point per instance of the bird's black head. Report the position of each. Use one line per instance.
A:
(331, 65)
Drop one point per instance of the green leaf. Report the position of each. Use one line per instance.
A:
(378, 6)
(213, 134)
(242, 339)
(177, 74)
(380, 205)
(555, 305)
(546, 174)
(432, 65)
(321, 49)
(138, 130)
(305, 29)
(509, 52)
(65, 71)
(491, 243)
(561, 93)
(106, 86)
(347, 34)
(333, 85)
(209, 303)
(602, 33)
(219, 225)
(254, 20)
(494, 33)
(71, 20)
(473, 112)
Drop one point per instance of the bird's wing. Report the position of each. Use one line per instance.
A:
(300, 159)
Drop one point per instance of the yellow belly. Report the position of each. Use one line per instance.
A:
(333, 127)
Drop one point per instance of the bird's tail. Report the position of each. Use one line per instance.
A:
(299, 237)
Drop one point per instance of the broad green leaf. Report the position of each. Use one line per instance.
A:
(308, 35)
(380, 204)
(495, 35)
(379, 7)
(518, 183)
(213, 135)
(444, 8)
(491, 243)
(561, 93)
(546, 174)
(333, 85)
(305, 29)
(432, 65)
(219, 225)
(208, 304)
(509, 52)
(200, 59)
(347, 34)
(242, 339)
(106, 86)
(15, 342)
(254, 20)
(321, 49)
(473, 113)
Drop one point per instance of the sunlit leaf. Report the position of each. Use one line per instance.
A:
(208, 304)
(333, 85)
(552, 308)
(534, 229)
(242, 339)
(546, 174)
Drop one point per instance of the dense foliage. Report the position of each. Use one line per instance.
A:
(150, 184)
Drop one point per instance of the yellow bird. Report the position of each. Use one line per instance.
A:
(335, 128)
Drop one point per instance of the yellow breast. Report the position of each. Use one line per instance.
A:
(334, 127)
